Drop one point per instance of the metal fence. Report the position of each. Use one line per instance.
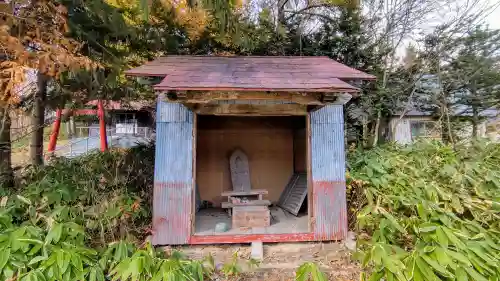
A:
(94, 131)
(87, 138)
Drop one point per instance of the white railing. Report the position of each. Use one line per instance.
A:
(86, 138)
(94, 131)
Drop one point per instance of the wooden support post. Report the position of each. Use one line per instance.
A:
(55, 132)
(102, 126)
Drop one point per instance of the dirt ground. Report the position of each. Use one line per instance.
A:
(21, 153)
(282, 259)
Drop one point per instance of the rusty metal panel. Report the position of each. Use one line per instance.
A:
(173, 187)
(328, 173)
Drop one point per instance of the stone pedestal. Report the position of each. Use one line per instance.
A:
(251, 216)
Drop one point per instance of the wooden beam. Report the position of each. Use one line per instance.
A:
(227, 205)
(250, 109)
(192, 106)
(206, 97)
(243, 193)
(248, 238)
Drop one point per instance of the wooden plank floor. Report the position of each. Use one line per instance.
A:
(281, 222)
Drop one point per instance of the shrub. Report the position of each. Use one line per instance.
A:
(429, 212)
(61, 221)
(86, 219)
(107, 193)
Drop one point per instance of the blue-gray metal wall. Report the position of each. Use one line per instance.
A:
(173, 186)
(328, 173)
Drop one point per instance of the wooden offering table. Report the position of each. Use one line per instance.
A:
(248, 208)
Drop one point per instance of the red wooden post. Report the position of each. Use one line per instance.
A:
(55, 132)
(102, 126)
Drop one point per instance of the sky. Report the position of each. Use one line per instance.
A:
(494, 18)
(446, 13)
(491, 7)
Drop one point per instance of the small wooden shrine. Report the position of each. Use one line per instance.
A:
(249, 148)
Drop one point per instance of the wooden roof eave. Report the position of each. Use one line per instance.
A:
(258, 97)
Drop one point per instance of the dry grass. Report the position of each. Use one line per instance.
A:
(21, 154)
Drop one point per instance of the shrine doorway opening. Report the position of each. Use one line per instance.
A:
(251, 175)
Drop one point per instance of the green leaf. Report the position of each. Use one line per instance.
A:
(35, 249)
(426, 270)
(93, 275)
(429, 249)
(461, 275)
(492, 244)
(376, 276)
(457, 205)
(37, 259)
(427, 227)
(317, 275)
(369, 196)
(369, 172)
(393, 220)
(440, 269)
(23, 199)
(442, 257)
(100, 275)
(454, 239)
(417, 275)
(365, 211)
(40, 276)
(441, 237)
(421, 211)
(393, 265)
(31, 241)
(479, 264)
(54, 234)
(8, 272)
(76, 261)
(4, 257)
(144, 5)
(377, 253)
(459, 257)
(389, 276)
(474, 274)
(483, 255)
(62, 261)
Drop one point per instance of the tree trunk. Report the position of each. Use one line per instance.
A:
(377, 128)
(446, 130)
(281, 12)
(37, 120)
(72, 127)
(475, 111)
(6, 173)
(475, 121)
(365, 132)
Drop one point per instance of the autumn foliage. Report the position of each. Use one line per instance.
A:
(34, 36)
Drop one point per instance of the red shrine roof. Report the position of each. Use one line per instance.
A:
(249, 73)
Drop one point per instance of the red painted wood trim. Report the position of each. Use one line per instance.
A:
(267, 238)
(55, 131)
(102, 126)
(333, 90)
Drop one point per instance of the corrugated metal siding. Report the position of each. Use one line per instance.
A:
(172, 112)
(328, 173)
(173, 174)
